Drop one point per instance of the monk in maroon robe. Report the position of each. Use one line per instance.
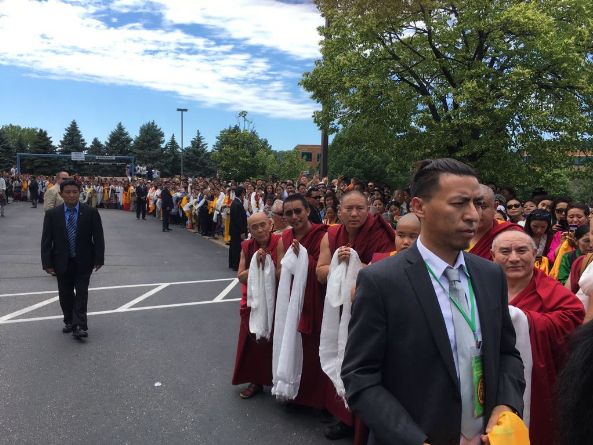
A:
(253, 363)
(303, 232)
(489, 227)
(552, 312)
(367, 235)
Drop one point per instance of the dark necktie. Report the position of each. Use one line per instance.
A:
(71, 231)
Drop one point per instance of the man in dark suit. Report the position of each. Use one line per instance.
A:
(33, 192)
(431, 355)
(141, 194)
(238, 228)
(71, 246)
(166, 206)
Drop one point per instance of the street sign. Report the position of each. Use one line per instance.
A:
(77, 156)
(105, 158)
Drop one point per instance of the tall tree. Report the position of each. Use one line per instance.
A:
(196, 158)
(504, 85)
(72, 140)
(119, 142)
(240, 154)
(96, 148)
(170, 162)
(147, 146)
(286, 165)
(7, 154)
(42, 144)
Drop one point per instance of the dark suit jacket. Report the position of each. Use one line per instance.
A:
(90, 246)
(398, 368)
(141, 192)
(166, 199)
(238, 223)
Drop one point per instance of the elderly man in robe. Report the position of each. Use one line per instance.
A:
(489, 227)
(366, 234)
(253, 363)
(551, 313)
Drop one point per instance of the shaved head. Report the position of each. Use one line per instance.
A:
(408, 230)
(488, 194)
(409, 219)
(256, 218)
(512, 235)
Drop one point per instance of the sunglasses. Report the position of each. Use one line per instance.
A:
(561, 210)
(278, 213)
(513, 206)
(297, 212)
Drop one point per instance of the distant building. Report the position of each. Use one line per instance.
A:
(311, 154)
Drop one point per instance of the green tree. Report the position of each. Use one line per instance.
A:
(42, 144)
(147, 146)
(241, 153)
(96, 148)
(119, 142)
(196, 158)
(504, 85)
(19, 137)
(7, 154)
(170, 161)
(72, 140)
(286, 165)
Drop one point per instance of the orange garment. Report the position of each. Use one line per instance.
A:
(509, 430)
(565, 247)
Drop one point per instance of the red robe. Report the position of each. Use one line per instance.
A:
(313, 379)
(375, 235)
(483, 247)
(553, 312)
(576, 271)
(253, 363)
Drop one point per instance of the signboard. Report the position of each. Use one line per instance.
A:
(77, 156)
(105, 158)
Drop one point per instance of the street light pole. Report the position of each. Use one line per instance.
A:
(182, 110)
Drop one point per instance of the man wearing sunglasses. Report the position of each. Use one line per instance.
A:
(309, 235)
(314, 199)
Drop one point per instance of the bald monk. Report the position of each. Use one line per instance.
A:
(253, 363)
(552, 313)
(366, 234)
(408, 231)
(488, 227)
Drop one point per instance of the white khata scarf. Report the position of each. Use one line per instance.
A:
(523, 345)
(287, 358)
(334, 329)
(261, 296)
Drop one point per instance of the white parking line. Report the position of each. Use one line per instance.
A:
(124, 286)
(117, 311)
(226, 290)
(144, 296)
(28, 309)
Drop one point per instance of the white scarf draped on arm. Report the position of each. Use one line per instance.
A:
(334, 329)
(287, 359)
(586, 286)
(523, 345)
(261, 297)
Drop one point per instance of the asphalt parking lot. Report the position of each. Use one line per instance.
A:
(156, 368)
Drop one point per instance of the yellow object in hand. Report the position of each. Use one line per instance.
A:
(509, 430)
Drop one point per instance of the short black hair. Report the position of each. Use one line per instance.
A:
(240, 190)
(579, 205)
(67, 182)
(538, 215)
(428, 172)
(297, 197)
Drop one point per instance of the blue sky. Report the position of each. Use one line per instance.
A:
(105, 61)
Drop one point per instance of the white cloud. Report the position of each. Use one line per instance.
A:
(64, 39)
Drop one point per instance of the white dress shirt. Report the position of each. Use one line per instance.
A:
(438, 266)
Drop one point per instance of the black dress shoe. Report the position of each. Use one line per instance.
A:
(77, 332)
(67, 329)
(337, 431)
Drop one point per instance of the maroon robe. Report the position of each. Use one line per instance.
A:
(577, 270)
(375, 235)
(553, 312)
(313, 379)
(483, 247)
(253, 363)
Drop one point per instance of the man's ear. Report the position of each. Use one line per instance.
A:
(418, 207)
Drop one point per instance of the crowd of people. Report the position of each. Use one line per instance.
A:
(419, 350)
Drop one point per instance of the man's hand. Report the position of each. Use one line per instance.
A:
(343, 254)
(50, 270)
(296, 247)
(496, 412)
(260, 256)
(98, 266)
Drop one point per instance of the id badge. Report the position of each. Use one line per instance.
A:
(478, 382)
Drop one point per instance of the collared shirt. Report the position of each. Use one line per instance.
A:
(67, 211)
(438, 266)
(2, 184)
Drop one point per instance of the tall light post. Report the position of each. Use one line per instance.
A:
(182, 110)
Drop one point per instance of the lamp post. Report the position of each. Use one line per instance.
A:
(182, 110)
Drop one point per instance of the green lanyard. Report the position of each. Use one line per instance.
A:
(471, 320)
